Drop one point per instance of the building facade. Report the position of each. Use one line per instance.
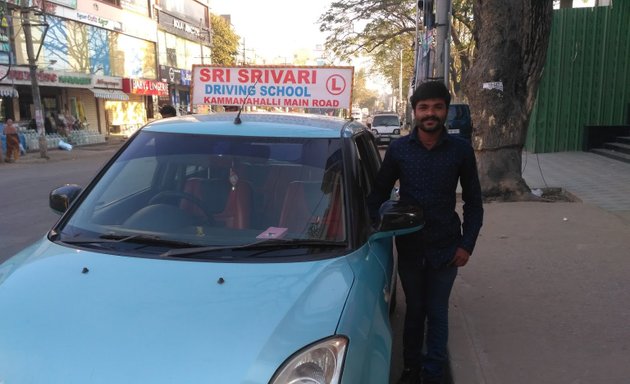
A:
(183, 40)
(109, 64)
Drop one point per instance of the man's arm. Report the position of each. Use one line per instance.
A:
(473, 204)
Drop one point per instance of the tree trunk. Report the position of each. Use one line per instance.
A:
(511, 39)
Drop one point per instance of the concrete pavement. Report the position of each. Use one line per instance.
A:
(594, 179)
(545, 298)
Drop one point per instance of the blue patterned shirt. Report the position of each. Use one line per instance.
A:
(429, 177)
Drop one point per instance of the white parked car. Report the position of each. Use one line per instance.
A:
(386, 127)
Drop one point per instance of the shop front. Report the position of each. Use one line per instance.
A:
(178, 80)
(112, 103)
(8, 95)
(127, 117)
(64, 96)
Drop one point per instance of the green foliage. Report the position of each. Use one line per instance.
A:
(363, 26)
(224, 42)
(380, 29)
(361, 95)
(462, 46)
(377, 29)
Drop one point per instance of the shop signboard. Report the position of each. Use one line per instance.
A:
(174, 75)
(22, 76)
(145, 87)
(87, 18)
(183, 28)
(108, 82)
(273, 86)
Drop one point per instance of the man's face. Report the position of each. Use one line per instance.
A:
(431, 114)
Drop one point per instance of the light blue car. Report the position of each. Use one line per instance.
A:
(212, 250)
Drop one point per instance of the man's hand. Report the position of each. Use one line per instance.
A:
(461, 257)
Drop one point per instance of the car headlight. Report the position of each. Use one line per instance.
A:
(396, 131)
(318, 363)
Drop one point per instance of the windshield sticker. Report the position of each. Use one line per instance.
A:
(273, 233)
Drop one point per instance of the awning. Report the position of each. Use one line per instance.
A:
(112, 94)
(6, 91)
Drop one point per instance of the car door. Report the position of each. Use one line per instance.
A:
(366, 317)
(368, 164)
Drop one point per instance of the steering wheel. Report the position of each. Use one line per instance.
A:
(168, 195)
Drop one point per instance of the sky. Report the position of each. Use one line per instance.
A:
(275, 28)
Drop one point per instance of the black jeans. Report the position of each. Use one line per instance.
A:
(427, 290)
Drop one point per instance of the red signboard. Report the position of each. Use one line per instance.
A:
(145, 87)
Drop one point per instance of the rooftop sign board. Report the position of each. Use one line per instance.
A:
(273, 86)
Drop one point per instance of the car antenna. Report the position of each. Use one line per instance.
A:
(237, 119)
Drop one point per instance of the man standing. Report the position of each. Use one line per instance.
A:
(428, 164)
(13, 141)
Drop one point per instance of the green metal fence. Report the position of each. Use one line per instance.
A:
(586, 80)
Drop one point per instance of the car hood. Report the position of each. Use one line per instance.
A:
(70, 316)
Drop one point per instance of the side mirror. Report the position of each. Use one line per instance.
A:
(60, 198)
(399, 218)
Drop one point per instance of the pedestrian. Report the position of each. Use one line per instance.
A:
(49, 125)
(69, 119)
(428, 163)
(168, 110)
(62, 127)
(13, 141)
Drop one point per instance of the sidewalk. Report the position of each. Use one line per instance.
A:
(55, 154)
(545, 298)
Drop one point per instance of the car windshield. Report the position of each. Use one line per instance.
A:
(386, 120)
(185, 190)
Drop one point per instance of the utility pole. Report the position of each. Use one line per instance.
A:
(433, 42)
(423, 41)
(442, 51)
(400, 92)
(27, 14)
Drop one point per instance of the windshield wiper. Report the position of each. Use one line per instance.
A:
(138, 238)
(268, 244)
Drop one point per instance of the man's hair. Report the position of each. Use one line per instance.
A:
(168, 110)
(430, 90)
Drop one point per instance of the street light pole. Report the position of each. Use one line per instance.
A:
(26, 15)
